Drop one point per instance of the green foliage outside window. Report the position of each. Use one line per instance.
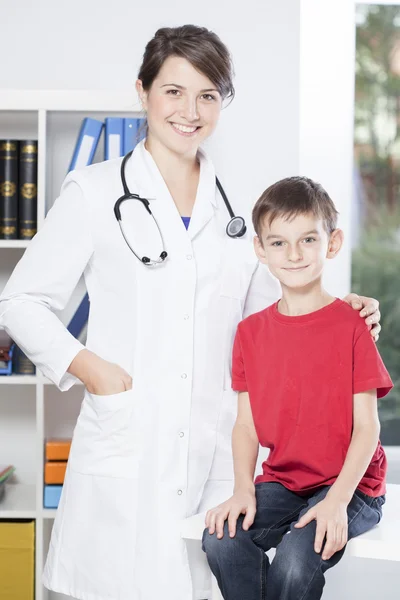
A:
(376, 257)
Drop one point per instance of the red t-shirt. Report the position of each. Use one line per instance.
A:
(301, 373)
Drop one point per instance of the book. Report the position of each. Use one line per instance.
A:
(27, 199)
(21, 365)
(6, 472)
(113, 138)
(86, 144)
(6, 353)
(8, 189)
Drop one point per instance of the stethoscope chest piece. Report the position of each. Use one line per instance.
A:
(236, 227)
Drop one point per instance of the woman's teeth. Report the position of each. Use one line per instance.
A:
(184, 128)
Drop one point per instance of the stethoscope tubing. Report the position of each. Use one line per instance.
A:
(129, 196)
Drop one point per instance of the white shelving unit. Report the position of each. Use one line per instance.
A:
(31, 408)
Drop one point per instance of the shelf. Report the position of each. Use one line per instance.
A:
(49, 513)
(14, 243)
(19, 502)
(18, 379)
(70, 100)
(26, 380)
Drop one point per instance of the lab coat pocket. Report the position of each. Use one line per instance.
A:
(104, 441)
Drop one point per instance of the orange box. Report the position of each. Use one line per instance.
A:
(57, 449)
(54, 472)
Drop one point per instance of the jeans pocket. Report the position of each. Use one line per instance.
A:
(364, 513)
(378, 504)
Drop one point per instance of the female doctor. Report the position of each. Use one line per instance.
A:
(152, 441)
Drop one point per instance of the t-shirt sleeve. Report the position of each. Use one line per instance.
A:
(369, 372)
(239, 383)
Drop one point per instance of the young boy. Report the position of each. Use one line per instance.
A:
(308, 376)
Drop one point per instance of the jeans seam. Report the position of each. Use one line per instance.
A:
(310, 582)
(266, 530)
(356, 515)
(262, 570)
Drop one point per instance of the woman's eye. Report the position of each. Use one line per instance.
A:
(277, 244)
(173, 92)
(308, 240)
(209, 97)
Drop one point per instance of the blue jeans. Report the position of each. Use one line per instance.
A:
(242, 568)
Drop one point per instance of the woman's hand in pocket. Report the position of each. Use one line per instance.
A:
(100, 376)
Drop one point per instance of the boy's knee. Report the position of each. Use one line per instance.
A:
(218, 547)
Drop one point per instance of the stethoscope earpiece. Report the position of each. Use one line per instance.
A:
(236, 227)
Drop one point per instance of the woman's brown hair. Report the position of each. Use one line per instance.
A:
(198, 45)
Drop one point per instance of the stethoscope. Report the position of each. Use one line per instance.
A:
(236, 227)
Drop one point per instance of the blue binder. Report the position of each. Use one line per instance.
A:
(80, 318)
(114, 138)
(86, 144)
(141, 129)
(134, 132)
(130, 134)
(85, 148)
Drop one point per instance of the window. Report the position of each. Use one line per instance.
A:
(376, 202)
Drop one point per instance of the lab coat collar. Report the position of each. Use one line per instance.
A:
(147, 179)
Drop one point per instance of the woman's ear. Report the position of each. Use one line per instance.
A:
(259, 250)
(141, 93)
(335, 243)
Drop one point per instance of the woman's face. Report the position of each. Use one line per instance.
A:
(183, 106)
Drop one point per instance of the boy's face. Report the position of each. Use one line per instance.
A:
(296, 250)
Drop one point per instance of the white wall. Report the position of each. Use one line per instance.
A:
(294, 63)
(327, 61)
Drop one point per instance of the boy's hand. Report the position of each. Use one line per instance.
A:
(332, 522)
(241, 503)
(369, 308)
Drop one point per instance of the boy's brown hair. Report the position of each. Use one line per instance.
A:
(291, 197)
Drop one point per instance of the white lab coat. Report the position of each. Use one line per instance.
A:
(142, 460)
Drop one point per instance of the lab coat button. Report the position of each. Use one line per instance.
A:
(184, 376)
(189, 256)
(186, 317)
(181, 434)
(180, 492)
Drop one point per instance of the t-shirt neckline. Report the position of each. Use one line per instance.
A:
(312, 316)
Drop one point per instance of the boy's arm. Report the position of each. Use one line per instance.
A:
(245, 451)
(245, 445)
(331, 513)
(364, 440)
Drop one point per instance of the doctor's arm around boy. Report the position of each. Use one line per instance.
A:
(308, 375)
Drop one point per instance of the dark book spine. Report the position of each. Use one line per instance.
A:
(8, 189)
(27, 201)
(21, 365)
